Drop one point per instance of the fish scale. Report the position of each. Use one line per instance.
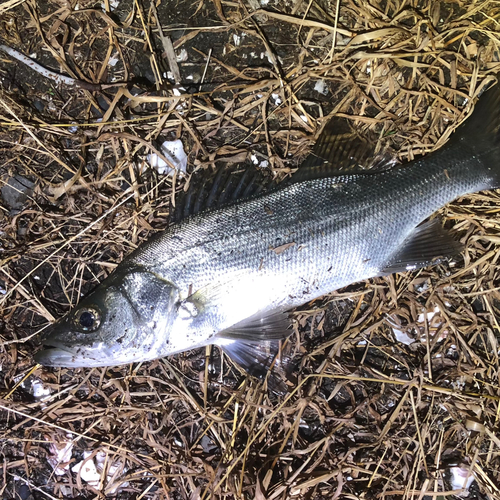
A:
(371, 213)
(227, 275)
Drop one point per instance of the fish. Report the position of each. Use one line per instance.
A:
(229, 275)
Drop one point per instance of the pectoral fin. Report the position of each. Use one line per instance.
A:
(254, 357)
(254, 343)
(427, 245)
(269, 326)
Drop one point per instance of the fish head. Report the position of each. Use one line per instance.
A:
(126, 319)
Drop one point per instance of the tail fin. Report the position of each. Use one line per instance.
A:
(480, 133)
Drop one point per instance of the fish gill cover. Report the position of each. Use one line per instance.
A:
(394, 387)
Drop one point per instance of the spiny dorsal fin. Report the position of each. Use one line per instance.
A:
(225, 185)
(428, 244)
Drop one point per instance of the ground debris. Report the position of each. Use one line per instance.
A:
(16, 190)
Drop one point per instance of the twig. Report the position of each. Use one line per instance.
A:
(47, 73)
(168, 47)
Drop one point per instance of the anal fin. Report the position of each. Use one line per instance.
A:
(428, 244)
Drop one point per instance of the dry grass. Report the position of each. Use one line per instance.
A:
(367, 417)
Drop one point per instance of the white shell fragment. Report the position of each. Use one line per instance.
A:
(402, 337)
(182, 56)
(32, 385)
(173, 151)
(434, 323)
(87, 470)
(40, 391)
(113, 4)
(429, 315)
(460, 478)
(60, 455)
(259, 163)
(91, 470)
(320, 86)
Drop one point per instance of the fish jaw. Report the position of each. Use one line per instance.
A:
(55, 356)
(82, 358)
(63, 357)
(65, 348)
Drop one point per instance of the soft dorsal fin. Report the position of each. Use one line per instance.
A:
(428, 244)
(340, 150)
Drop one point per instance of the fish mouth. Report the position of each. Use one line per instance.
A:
(55, 356)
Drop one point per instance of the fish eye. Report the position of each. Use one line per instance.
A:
(88, 319)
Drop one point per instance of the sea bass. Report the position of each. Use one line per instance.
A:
(227, 276)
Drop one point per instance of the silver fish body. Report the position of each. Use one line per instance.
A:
(209, 277)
